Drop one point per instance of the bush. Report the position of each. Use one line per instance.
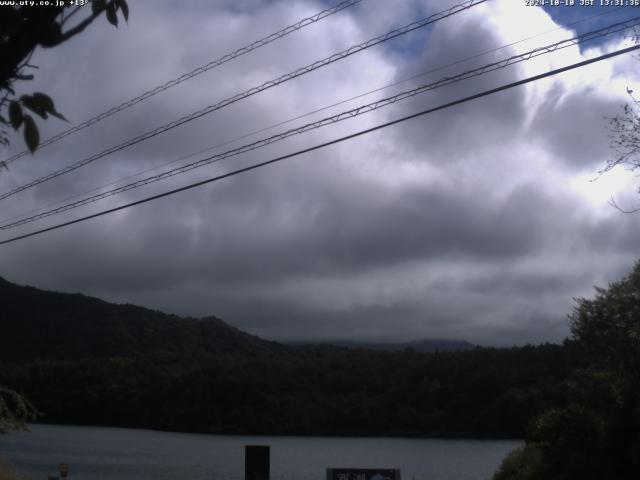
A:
(15, 411)
(523, 463)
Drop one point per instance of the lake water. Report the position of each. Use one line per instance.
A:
(95, 453)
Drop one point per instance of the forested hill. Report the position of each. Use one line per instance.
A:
(81, 360)
(38, 324)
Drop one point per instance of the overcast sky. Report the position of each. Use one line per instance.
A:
(479, 222)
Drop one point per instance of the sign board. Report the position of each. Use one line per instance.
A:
(64, 469)
(363, 474)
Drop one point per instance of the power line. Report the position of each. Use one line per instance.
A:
(332, 142)
(385, 102)
(252, 91)
(196, 71)
(298, 117)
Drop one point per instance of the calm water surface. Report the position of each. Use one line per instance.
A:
(128, 454)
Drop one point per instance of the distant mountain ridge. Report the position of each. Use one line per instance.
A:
(44, 325)
(39, 324)
(422, 346)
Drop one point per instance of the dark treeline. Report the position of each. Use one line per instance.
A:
(312, 391)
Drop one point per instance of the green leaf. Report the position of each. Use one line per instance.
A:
(111, 14)
(31, 134)
(122, 5)
(16, 117)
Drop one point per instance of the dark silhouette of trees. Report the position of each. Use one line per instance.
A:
(22, 30)
(597, 434)
(480, 393)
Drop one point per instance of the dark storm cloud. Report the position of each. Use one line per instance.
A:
(347, 225)
(331, 227)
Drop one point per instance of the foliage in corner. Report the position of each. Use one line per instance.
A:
(23, 29)
(597, 434)
(38, 103)
(520, 464)
(15, 411)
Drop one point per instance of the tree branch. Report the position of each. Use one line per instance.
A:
(66, 19)
(80, 27)
(615, 205)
